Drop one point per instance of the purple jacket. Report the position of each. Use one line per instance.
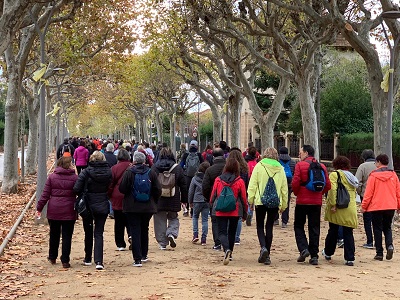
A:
(59, 194)
(81, 156)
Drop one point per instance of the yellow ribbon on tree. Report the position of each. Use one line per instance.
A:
(56, 108)
(225, 107)
(385, 81)
(38, 74)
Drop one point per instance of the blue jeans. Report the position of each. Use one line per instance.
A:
(238, 231)
(202, 208)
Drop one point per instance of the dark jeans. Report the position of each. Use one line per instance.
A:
(80, 168)
(227, 231)
(265, 237)
(63, 229)
(285, 214)
(313, 213)
(97, 232)
(139, 228)
(120, 223)
(382, 222)
(367, 217)
(348, 239)
(215, 231)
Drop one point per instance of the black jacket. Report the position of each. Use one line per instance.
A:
(129, 205)
(99, 176)
(185, 156)
(181, 192)
(61, 147)
(110, 158)
(211, 174)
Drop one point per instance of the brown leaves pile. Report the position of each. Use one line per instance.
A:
(13, 276)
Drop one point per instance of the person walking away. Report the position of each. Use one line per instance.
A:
(166, 221)
(190, 163)
(59, 195)
(141, 191)
(98, 176)
(208, 154)
(227, 218)
(382, 198)
(208, 182)
(81, 156)
(199, 205)
(346, 217)
(309, 193)
(109, 155)
(182, 150)
(63, 147)
(268, 168)
(120, 218)
(246, 152)
(252, 160)
(288, 165)
(362, 175)
(235, 153)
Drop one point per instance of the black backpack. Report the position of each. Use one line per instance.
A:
(316, 177)
(210, 158)
(64, 149)
(342, 195)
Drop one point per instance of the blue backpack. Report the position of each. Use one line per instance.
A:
(141, 188)
(270, 197)
(286, 167)
(316, 177)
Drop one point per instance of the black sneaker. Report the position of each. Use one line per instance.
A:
(313, 261)
(99, 266)
(130, 243)
(217, 247)
(349, 263)
(378, 257)
(267, 261)
(303, 255)
(137, 263)
(226, 257)
(171, 240)
(389, 254)
(263, 255)
(248, 220)
(87, 262)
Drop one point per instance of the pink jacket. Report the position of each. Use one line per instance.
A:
(382, 191)
(81, 156)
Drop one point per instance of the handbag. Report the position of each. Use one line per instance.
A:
(81, 205)
(342, 195)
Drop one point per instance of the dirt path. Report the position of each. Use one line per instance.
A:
(196, 272)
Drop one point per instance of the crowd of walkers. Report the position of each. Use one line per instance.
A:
(133, 183)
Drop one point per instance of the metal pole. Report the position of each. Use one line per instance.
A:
(227, 123)
(58, 116)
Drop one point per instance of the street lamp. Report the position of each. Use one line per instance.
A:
(390, 15)
(173, 141)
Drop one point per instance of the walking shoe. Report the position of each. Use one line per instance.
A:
(313, 261)
(327, 257)
(87, 262)
(145, 259)
(237, 242)
(137, 263)
(99, 266)
(263, 255)
(389, 254)
(172, 242)
(195, 238)
(121, 249)
(349, 263)
(226, 257)
(284, 225)
(203, 242)
(340, 243)
(186, 214)
(130, 242)
(267, 261)
(378, 257)
(230, 257)
(248, 220)
(162, 247)
(217, 247)
(52, 261)
(368, 246)
(66, 265)
(303, 255)
(276, 222)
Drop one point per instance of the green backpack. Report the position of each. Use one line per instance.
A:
(226, 200)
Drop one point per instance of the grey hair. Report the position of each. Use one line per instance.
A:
(123, 155)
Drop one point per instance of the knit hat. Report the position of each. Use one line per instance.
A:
(283, 150)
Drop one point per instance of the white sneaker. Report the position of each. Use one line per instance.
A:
(121, 249)
(137, 263)
(145, 259)
(99, 266)
(162, 247)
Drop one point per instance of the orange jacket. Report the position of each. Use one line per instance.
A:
(382, 191)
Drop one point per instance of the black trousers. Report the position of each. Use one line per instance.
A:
(120, 224)
(313, 214)
(95, 232)
(348, 240)
(227, 231)
(63, 229)
(215, 231)
(285, 213)
(139, 228)
(382, 222)
(265, 237)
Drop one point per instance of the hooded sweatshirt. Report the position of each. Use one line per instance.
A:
(382, 191)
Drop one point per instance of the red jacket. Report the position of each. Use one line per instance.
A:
(115, 195)
(238, 189)
(305, 196)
